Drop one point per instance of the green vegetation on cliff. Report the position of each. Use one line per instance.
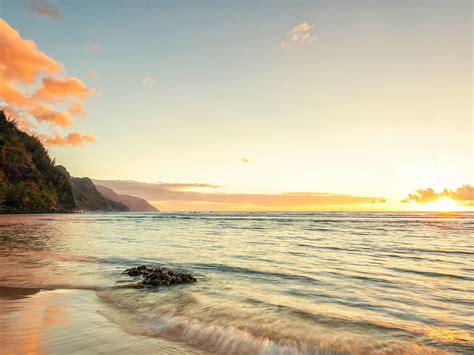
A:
(29, 180)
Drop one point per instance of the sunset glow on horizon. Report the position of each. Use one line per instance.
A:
(444, 204)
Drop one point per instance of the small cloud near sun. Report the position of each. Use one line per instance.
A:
(148, 82)
(300, 35)
(245, 160)
(463, 195)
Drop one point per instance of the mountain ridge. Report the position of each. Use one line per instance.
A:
(135, 204)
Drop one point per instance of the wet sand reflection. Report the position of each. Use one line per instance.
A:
(66, 321)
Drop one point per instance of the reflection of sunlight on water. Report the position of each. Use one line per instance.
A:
(30, 334)
(449, 335)
(64, 322)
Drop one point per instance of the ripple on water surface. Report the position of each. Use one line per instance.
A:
(267, 282)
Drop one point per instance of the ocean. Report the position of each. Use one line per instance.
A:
(267, 283)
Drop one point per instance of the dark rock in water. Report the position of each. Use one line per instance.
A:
(162, 276)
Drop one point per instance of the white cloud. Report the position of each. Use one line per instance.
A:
(300, 35)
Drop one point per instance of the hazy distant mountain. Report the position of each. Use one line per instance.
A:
(88, 198)
(135, 204)
(29, 181)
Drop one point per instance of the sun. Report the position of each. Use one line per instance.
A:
(444, 204)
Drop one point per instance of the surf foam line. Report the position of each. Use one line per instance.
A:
(223, 335)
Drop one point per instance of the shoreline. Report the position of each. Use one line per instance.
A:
(67, 321)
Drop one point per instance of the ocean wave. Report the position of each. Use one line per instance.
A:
(433, 274)
(222, 330)
(260, 273)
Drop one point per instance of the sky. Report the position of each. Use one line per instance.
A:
(235, 105)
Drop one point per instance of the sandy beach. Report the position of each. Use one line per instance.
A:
(35, 321)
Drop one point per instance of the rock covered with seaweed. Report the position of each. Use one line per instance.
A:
(160, 276)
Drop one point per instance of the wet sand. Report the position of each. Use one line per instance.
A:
(35, 321)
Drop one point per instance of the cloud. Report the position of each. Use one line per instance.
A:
(23, 123)
(10, 94)
(44, 8)
(44, 113)
(463, 195)
(76, 110)
(299, 35)
(62, 90)
(148, 82)
(245, 160)
(71, 139)
(21, 60)
(187, 186)
(34, 85)
(185, 197)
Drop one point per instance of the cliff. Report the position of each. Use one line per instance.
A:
(30, 182)
(134, 204)
(88, 198)
(29, 179)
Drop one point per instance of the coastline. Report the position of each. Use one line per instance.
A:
(38, 212)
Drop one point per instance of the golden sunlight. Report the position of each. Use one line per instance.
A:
(444, 204)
